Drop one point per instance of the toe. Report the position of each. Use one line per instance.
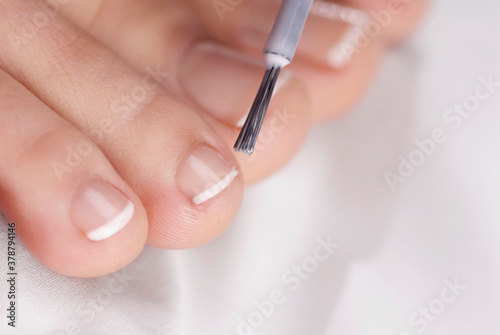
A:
(72, 210)
(186, 177)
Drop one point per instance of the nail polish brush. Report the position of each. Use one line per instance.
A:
(278, 53)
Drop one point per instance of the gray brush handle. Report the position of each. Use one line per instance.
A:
(288, 27)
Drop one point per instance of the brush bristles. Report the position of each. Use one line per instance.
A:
(250, 131)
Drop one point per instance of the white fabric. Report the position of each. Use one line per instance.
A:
(396, 249)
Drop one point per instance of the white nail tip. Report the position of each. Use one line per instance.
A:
(332, 11)
(342, 53)
(216, 189)
(284, 78)
(114, 226)
(241, 121)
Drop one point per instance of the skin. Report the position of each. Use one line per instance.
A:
(59, 80)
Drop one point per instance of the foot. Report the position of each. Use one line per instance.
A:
(118, 118)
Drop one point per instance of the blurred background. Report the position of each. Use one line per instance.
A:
(400, 247)
(364, 232)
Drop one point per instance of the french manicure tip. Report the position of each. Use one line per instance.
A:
(241, 121)
(216, 189)
(337, 59)
(113, 226)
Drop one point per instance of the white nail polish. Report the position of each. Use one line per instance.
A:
(342, 53)
(204, 174)
(113, 226)
(99, 210)
(215, 189)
